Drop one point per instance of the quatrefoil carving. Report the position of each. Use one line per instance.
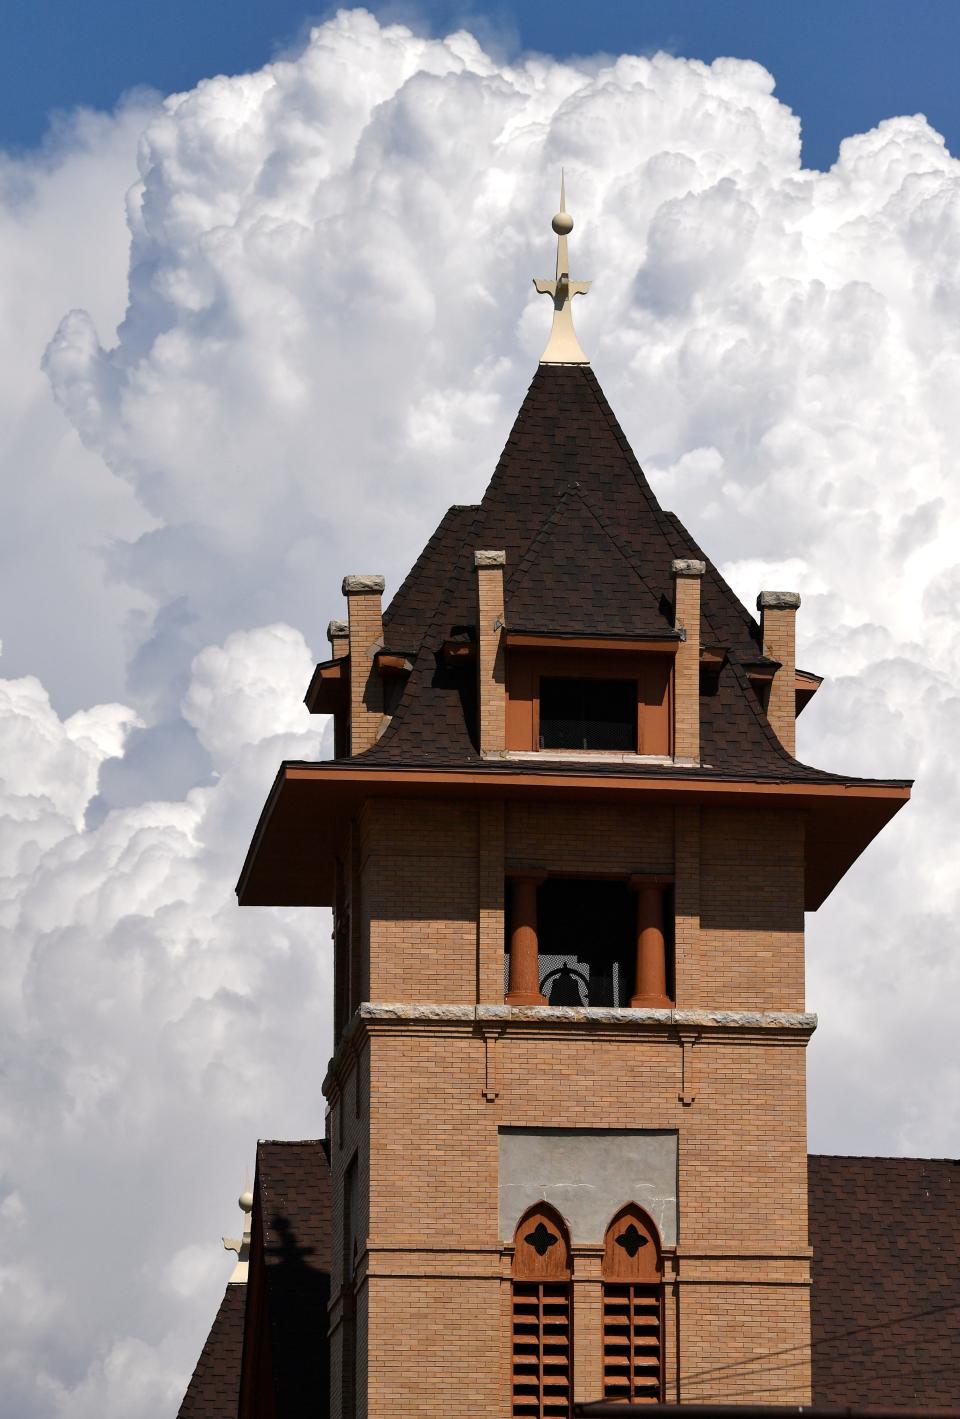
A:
(541, 1239)
(632, 1240)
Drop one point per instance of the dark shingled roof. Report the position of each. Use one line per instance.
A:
(885, 1305)
(588, 550)
(286, 1357)
(885, 1234)
(215, 1384)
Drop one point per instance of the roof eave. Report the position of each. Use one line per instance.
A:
(291, 857)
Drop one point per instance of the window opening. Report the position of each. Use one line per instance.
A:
(633, 1310)
(586, 941)
(542, 1348)
(588, 714)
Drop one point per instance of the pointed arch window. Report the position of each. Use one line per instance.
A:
(633, 1368)
(542, 1321)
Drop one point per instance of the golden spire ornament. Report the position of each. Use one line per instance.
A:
(563, 347)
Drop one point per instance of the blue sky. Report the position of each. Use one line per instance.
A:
(841, 64)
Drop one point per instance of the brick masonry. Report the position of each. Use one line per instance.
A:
(778, 633)
(418, 1096)
(365, 631)
(686, 741)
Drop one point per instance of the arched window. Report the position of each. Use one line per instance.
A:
(542, 1321)
(632, 1309)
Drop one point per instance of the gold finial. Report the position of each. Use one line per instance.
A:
(563, 347)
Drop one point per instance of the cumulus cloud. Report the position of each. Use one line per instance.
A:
(146, 1024)
(310, 336)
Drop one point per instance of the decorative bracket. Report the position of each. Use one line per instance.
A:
(688, 1087)
(490, 1074)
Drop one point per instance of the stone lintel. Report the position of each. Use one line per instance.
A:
(390, 1012)
(778, 601)
(363, 582)
(489, 559)
(688, 566)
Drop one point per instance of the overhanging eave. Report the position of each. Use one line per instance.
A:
(291, 859)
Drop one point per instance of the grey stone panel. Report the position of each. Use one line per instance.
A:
(588, 1175)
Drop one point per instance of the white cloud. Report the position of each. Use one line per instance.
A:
(329, 326)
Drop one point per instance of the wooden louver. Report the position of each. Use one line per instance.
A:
(542, 1341)
(632, 1310)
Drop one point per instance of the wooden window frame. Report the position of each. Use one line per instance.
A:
(633, 1312)
(541, 1385)
(526, 667)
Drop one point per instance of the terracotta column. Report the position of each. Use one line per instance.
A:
(524, 983)
(650, 982)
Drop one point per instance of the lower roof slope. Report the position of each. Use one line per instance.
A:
(885, 1234)
(292, 1270)
(214, 1387)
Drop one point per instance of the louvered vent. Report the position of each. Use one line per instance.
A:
(541, 1350)
(633, 1342)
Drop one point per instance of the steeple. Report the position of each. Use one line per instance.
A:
(563, 347)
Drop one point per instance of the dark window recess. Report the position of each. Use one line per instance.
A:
(587, 938)
(588, 714)
(393, 688)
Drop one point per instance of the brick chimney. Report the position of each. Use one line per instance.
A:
(339, 637)
(365, 636)
(491, 656)
(687, 573)
(778, 634)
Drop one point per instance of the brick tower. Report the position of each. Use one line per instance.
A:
(569, 849)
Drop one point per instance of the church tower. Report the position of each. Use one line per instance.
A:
(568, 847)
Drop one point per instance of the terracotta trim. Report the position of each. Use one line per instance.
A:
(389, 663)
(455, 779)
(529, 640)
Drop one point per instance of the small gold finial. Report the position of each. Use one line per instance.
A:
(563, 347)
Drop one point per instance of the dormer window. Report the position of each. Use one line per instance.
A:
(588, 714)
(576, 696)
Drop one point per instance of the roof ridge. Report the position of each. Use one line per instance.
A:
(613, 423)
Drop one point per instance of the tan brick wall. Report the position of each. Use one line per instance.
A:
(420, 901)
(590, 838)
(365, 621)
(434, 1220)
(686, 682)
(748, 951)
(491, 659)
(432, 894)
(434, 1292)
(779, 634)
(738, 1348)
(349, 1139)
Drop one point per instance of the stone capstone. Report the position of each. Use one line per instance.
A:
(778, 601)
(363, 582)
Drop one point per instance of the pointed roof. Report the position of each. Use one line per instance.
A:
(586, 543)
(587, 546)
